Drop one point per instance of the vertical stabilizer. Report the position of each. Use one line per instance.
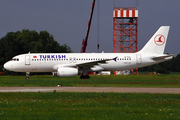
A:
(157, 42)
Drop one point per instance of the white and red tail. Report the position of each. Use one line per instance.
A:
(157, 43)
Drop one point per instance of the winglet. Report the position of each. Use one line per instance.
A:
(115, 59)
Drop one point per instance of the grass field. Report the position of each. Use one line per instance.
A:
(95, 81)
(97, 106)
(90, 106)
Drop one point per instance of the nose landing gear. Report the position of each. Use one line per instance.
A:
(27, 75)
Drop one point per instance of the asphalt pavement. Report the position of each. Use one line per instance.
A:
(92, 89)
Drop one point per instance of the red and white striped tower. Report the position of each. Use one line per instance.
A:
(125, 31)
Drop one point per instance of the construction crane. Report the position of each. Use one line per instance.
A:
(84, 42)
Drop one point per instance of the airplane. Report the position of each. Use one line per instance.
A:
(73, 64)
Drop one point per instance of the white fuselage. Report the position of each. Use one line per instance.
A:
(45, 62)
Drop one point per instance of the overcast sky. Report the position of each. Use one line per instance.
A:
(67, 20)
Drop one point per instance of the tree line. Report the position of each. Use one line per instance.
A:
(25, 41)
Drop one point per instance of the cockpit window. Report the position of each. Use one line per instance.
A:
(15, 59)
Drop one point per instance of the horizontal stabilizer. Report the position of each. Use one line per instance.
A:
(164, 57)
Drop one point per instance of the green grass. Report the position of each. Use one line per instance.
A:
(95, 81)
(98, 106)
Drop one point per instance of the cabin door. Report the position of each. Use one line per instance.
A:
(27, 60)
(138, 59)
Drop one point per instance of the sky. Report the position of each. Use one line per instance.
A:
(67, 21)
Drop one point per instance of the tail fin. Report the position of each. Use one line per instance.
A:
(157, 42)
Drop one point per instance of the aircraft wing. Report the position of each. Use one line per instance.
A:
(90, 64)
(162, 57)
(93, 63)
(85, 65)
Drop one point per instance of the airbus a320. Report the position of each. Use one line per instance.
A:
(73, 64)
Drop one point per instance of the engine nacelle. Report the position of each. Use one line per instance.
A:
(67, 72)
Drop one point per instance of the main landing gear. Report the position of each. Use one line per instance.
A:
(84, 76)
(27, 75)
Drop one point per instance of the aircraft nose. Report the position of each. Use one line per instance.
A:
(7, 66)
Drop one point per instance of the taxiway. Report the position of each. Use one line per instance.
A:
(92, 89)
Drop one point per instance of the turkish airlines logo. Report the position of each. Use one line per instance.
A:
(159, 40)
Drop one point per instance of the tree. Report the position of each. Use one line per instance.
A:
(20, 42)
(175, 64)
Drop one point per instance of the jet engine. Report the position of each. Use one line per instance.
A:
(67, 72)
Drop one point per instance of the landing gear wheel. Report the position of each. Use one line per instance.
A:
(87, 76)
(84, 76)
(27, 75)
